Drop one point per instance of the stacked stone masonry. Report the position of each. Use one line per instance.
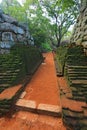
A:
(12, 31)
(74, 97)
(79, 35)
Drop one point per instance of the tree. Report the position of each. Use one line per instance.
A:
(13, 8)
(38, 25)
(48, 21)
(62, 15)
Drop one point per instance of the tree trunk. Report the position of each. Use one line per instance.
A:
(58, 42)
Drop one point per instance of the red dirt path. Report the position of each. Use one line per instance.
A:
(38, 90)
(43, 87)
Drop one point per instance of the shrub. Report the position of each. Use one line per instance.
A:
(45, 47)
(61, 57)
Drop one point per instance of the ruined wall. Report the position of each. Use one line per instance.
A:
(79, 35)
(11, 31)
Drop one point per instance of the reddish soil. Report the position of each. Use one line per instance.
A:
(43, 87)
(29, 121)
(9, 92)
(38, 90)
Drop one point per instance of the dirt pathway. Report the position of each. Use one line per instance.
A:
(43, 88)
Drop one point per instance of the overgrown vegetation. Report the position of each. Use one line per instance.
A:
(11, 69)
(48, 21)
(31, 56)
(61, 57)
(22, 60)
(71, 55)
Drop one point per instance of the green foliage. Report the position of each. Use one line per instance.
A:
(71, 55)
(14, 67)
(61, 54)
(39, 26)
(45, 47)
(31, 56)
(63, 15)
(48, 21)
(11, 66)
(61, 58)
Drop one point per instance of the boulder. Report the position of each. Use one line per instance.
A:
(9, 19)
(12, 31)
(79, 41)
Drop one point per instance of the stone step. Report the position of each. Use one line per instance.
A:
(71, 66)
(10, 62)
(77, 69)
(76, 72)
(85, 110)
(72, 114)
(5, 106)
(72, 104)
(29, 105)
(9, 70)
(4, 85)
(79, 86)
(9, 93)
(77, 93)
(79, 82)
(78, 78)
(7, 77)
(69, 95)
(22, 95)
(80, 75)
(73, 88)
(65, 90)
(9, 81)
(4, 110)
(5, 101)
(47, 109)
(10, 73)
(79, 98)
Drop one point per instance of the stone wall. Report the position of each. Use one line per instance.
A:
(11, 31)
(79, 35)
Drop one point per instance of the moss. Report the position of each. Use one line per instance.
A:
(14, 67)
(22, 60)
(61, 57)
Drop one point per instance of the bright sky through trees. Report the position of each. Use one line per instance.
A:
(20, 1)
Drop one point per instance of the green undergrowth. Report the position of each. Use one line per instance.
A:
(75, 72)
(61, 57)
(31, 56)
(21, 61)
(71, 55)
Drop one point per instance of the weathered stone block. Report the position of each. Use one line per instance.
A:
(12, 30)
(84, 44)
(23, 94)
(26, 105)
(49, 109)
(79, 41)
(85, 38)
